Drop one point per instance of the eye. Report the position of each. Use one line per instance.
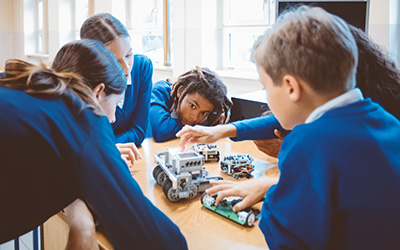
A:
(192, 105)
(129, 55)
(205, 113)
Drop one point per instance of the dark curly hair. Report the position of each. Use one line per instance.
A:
(207, 84)
(377, 75)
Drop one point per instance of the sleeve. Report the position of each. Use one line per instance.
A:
(129, 218)
(163, 126)
(137, 126)
(297, 211)
(259, 128)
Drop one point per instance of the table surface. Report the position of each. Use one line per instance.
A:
(201, 227)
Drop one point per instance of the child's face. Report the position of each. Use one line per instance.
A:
(278, 100)
(194, 109)
(122, 50)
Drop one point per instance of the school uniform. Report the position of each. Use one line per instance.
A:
(55, 150)
(164, 123)
(339, 182)
(133, 111)
(258, 128)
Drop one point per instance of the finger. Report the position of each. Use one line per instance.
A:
(136, 152)
(225, 193)
(245, 203)
(184, 130)
(186, 138)
(219, 188)
(128, 163)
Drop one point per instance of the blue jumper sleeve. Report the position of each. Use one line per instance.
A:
(130, 219)
(163, 126)
(137, 125)
(258, 128)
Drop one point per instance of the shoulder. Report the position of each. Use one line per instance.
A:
(162, 86)
(142, 62)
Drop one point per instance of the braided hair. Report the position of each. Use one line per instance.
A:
(207, 84)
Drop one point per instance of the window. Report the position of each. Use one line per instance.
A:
(148, 24)
(242, 23)
(81, 11)
(36, 28)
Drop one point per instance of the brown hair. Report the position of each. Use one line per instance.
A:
(207, 84)
(77, 69)
(103, 27)
(312, 44)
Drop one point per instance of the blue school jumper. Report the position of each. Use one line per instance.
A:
(339, 184)
(164, 124)
(132, 120)
(258, 128)
(55, 150)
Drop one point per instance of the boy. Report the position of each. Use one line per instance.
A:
(340, 165)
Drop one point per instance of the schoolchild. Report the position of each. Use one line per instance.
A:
(197, 97)
(339, 164)
(130, 125)
(58, 145)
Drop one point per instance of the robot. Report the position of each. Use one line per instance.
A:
(181, 174)
(237, 165)
(245, 217)
(209, 151)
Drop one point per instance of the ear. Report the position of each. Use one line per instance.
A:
(180, 91)
(293, 87)
(99, 90)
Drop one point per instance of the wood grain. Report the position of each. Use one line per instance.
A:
(201, 227)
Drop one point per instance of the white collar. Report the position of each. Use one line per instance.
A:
(345, 99)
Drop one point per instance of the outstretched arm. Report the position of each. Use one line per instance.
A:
(204, 134)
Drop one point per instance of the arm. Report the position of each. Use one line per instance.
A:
(163, 126)
(297, 212)
(259, 128)
(205, 134)
(129, 218)
(137, 125)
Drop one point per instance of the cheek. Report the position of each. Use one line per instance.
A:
(109, 105)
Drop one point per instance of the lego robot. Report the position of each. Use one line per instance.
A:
(237, 165)
(209, 151)
(181, 174)
(246, 217)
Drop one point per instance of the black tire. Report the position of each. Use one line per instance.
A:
(250, 219)
(161, 177)
(217, 156)
(156, 171)
(172, 195)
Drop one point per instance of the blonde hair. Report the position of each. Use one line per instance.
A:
(311, 44)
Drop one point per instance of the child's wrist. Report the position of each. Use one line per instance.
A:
(227, 130)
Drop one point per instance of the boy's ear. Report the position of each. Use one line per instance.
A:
(293, 87)
(99, 90)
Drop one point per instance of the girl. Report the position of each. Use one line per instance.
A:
(197, 97)
(132, 112)
(57, 146)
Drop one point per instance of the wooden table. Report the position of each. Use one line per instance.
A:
(201, 227)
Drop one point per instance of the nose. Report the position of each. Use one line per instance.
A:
(195, 117)
(124, 66)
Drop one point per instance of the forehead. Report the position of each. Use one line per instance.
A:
(200, 100)
(120, 45)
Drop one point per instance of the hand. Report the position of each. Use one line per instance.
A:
(204, 134)
(251, 191)
(129, 153)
